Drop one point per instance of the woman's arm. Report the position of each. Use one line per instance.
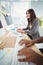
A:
(25, 28)
(22, 30)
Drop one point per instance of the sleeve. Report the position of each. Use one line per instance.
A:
(25, 28)
(34, 28)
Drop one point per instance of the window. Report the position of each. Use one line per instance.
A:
(18, 12)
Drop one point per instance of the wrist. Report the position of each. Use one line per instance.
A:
(33, 42)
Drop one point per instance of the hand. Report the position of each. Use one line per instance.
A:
(27, 43)
(31, 56)
(20, 30)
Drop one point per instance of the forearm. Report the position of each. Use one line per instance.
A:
(33, 30)
(39, 40)
(25, 28)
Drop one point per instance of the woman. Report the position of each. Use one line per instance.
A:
(33, 25)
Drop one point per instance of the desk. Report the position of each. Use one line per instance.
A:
(7, 41)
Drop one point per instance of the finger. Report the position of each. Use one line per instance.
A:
(24, 52)
(27, 59)
(21, 53)
(28, 45)
(22, 42)
(30, 60)
(23, 60)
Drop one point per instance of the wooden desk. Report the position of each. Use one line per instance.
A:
(7, 41)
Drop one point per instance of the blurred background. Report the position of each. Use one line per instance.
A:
(14, 11)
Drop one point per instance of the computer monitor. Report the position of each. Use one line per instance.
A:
(8, 20)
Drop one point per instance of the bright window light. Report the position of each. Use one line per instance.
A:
(18, 11)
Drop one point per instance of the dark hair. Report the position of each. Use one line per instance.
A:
(32, 14)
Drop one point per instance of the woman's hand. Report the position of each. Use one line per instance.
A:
(20, 30)
(27, 43)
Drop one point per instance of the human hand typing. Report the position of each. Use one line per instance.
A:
(31, 56)
(27, 43)
(20, 30)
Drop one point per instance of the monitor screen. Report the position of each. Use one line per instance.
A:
(8, 20)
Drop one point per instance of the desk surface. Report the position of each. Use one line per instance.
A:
(9, 42)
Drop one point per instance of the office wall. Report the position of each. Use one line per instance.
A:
(38, 7)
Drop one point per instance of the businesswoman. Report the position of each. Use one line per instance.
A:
(32, 28)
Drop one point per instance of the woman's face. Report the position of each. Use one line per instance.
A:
(27, 15)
